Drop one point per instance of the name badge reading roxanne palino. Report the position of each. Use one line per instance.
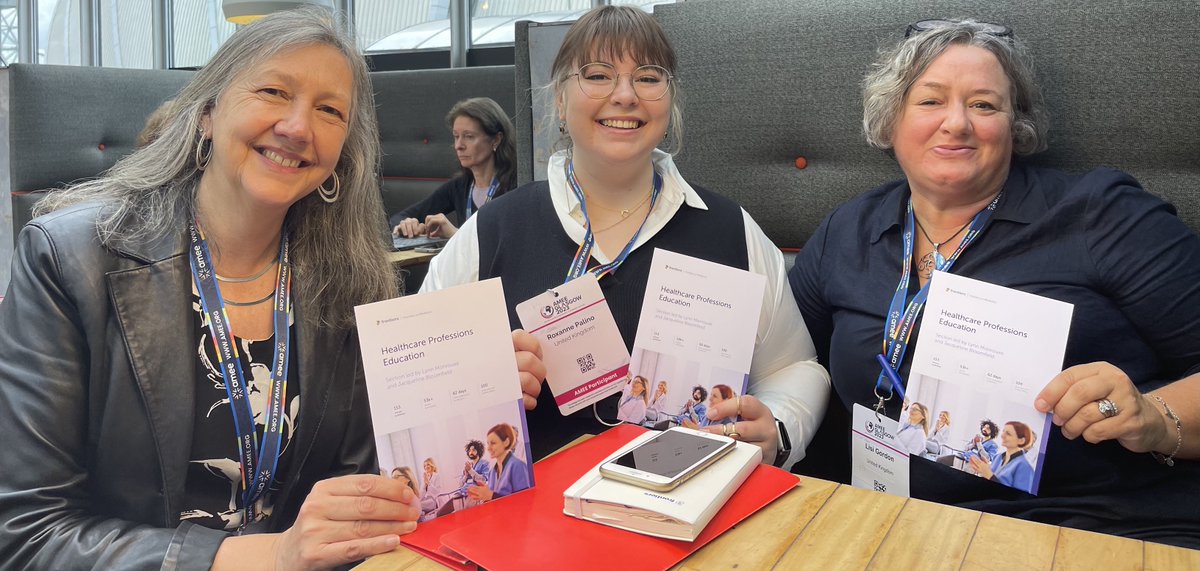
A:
(585, 357)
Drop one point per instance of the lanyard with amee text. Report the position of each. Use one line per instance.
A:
(584, 253)
(899, 327)
(258, 461)
(490, 193)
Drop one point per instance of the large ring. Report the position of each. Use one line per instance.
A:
(739, 406)
(1108, 408)
(725, 430)
(734, 433)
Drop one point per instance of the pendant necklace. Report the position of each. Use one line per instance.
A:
(934, 260)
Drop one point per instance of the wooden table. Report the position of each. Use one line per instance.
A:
(409, 258)
(825, 525)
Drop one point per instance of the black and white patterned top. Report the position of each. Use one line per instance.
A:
(213, 493)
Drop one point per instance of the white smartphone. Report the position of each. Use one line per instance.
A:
(667, 460)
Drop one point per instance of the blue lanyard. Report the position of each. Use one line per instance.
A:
(584, 253)
(899, 326)
(258, 462)
(490, 193)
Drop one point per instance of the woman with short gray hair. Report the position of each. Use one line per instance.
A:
(955, 102)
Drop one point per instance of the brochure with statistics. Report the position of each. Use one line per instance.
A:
(984, 353)
(680, 514)
(445, 396)
(694, 343)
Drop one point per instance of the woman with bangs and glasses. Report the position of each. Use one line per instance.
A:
(956, 104)
(616, 100)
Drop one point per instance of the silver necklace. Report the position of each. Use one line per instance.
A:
(246, 279)
(267, 297)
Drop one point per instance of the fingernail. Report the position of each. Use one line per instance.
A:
(393, 541)
(1041, 405)
(711, 413)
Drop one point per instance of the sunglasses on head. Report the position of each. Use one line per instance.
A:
(926, 25)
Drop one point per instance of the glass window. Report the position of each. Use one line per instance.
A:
(200, 28)
(9, 48)
(126, 34)
(492, 21)
(387, 25)
(58, 32)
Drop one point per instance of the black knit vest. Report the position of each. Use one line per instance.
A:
(522, 242)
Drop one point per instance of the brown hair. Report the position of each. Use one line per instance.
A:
(505, 431)
(1023, 432)
(494, 122)
(610, 32)
(725, 391)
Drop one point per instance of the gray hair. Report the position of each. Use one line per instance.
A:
(613, 31)
(891, 77)
(338, 250)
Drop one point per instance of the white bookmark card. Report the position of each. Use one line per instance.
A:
(585, 357)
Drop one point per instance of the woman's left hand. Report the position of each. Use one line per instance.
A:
(479, 493)
(530, 367)
(757, 424)
(1073, 396)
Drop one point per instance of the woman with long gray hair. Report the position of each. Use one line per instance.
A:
(187, 391)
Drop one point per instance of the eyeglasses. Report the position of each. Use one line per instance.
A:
(997, 30)
(599, 80)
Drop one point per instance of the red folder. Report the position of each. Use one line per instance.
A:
(528, 529)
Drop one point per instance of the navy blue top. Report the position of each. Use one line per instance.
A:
(1098, 241)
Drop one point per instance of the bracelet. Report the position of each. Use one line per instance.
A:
(1169, 460)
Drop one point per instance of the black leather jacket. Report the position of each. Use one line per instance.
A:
(97, 378)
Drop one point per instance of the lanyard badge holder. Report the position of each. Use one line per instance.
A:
(584, 253)
(258, 460)
(901, 319)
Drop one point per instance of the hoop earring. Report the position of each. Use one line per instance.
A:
(330, 195)
(562, 127)
(202, 157)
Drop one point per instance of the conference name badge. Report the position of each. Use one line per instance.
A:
(585, 357)
(878, 461)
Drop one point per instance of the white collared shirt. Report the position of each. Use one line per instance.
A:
(784, 373)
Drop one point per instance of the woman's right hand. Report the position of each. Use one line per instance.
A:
(346, 519)
(438, 226)
(408, 228)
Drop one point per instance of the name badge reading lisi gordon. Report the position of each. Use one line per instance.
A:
(585, 357)
(878, 460)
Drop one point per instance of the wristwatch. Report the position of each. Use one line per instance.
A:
(784, 449)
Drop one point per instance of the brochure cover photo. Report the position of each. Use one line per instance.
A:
(461, 461)
(666, 390)
(445, 396)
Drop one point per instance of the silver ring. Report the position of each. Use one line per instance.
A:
(1108, 408)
